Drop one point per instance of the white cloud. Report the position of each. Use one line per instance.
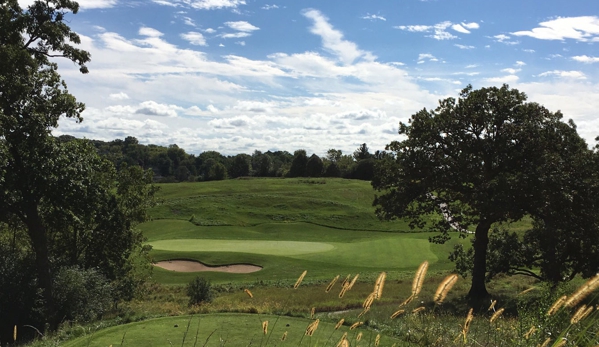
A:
(502, 79)
(242, 26)
(459, 28)
(471, 66)
(202, 4)
(189, 21)
(374, 17)
(149, 32)
(426, 56)
(269, 7)
(236, 35)
(528, 50)
(586, 59)
(472, 25)
(332, 39)
(520, 63)
(510, 71)
(241, 43)
(119, 96)
(584, 29)
(464, 46)
(564, 74)
(194, 38)
(505, 39)
(210, 31)
(152, 108)
(414, 28)
(439, 30)
(231, 123)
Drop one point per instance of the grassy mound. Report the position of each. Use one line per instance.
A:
(222, 329)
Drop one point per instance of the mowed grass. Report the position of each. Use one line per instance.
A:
(220, 330)
(284, 250)
(285, 226)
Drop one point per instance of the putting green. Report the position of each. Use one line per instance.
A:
(280, 248)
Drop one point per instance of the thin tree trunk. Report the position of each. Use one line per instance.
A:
(39, 242)
(478, 289)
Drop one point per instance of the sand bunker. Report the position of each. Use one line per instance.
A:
(196, 266)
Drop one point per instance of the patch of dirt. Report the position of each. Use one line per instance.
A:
(196, 266)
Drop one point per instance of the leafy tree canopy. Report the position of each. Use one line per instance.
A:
(487, 157)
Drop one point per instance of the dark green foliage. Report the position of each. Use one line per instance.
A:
(332, 170)
(489, 157)
(81, 295)
(199, 291)
(240, 166)
(68, 204)
(20, 302)
(298, 165)
(314, 166)
(362, 153)
(364, 169)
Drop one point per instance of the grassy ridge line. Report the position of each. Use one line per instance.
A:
(345, 204)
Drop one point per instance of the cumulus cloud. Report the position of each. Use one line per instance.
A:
(464, 46)
(510, 71)
(195, 38)
(119, 96)
(584, 29)
(586, 59)
(152, 108)
(269, 7)
(231, 123)
(564, 74)
(332, 39)
(242, 26)
(149, 32)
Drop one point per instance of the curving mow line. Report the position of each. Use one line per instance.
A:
(196, 266)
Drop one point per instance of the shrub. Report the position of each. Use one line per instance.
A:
(81, 295)
(199, 290)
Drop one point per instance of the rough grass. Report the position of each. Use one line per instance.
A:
(338, 203)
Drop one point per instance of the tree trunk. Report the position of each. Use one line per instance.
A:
(39, 243)
(478, 290)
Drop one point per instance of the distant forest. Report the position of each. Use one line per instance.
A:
(173, 164)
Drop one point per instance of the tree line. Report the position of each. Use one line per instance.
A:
(173, 164)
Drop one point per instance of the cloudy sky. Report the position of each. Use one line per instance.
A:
(239, 75)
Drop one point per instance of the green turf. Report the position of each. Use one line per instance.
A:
(280, 248)
(325, 226)
(222, 330)
(337, 203)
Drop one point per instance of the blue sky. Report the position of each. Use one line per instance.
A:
(239, 75)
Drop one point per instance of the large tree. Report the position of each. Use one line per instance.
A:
(71, 204)
(478, 157)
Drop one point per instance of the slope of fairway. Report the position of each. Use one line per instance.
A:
(339, 203)
(281, 248)
(220, 330)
